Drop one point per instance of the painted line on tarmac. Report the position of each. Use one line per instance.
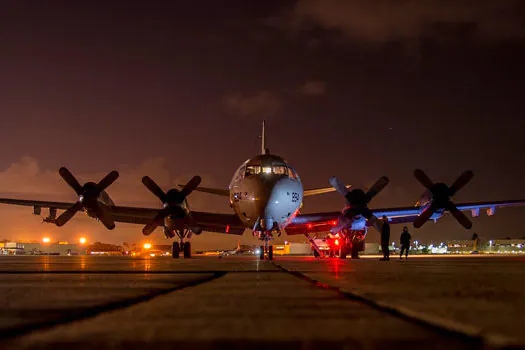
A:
(18, 331)
(130, 272)
(451, 327)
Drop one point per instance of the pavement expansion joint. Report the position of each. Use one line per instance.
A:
(490, 341)
(22, 330)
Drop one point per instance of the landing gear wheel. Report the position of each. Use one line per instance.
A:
(343, 252)
(187, 250)
(270, 252)
(261, 252)
(355, 251)
(175, 250)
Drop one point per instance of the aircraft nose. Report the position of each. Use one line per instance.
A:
(284, 199)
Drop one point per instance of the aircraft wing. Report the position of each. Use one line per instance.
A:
(322, 222)
(35, 203)
(212, 222)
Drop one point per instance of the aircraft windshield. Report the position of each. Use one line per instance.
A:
(257, 169)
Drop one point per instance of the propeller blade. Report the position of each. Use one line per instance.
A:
(460, 217)
(107, 180)
(154, 188)
(157, 221)
(423, 178)
(339, 186)
(70, 180)
(190, 186)
(68, 214)
(424, 216)
(461, 181)
(104, 217)
(377, 187)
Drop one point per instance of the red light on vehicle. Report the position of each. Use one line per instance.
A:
(334, 222)
(309, 225)
(336, 242)
(227, 228)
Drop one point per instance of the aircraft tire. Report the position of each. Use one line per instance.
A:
(175, 250)
(343, 252)
(261, 252)
(355, 251)
(270, 252)
(187, 250)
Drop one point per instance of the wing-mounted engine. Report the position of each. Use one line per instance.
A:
(51, 218)
(440, 198)
(88, 199)
(356, 215)
(175, 212)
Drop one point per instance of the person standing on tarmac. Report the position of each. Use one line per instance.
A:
(385, 239)
(405, 242)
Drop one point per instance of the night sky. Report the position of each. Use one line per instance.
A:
(357, 89)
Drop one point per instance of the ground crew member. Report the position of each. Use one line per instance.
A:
(405, 242)
(385, 239)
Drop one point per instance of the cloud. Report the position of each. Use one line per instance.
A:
(312, 88)
(383, 21)
(260, 105)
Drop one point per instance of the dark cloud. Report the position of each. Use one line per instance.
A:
(263, 104)
(383, 21)
(312, 88)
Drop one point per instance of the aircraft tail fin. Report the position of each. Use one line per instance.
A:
(216, 191)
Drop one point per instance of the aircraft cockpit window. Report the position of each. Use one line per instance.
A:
(280, 170)
(292, 173)
(253, 170)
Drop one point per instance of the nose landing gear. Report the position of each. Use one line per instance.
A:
(267, 247)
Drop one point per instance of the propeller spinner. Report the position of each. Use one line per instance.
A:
(172, 201)
(357, 200)
(441, 194)
(88, 198)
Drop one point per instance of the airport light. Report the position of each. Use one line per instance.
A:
(267, 170)
(82, 240)
(46, 240)
(147, 246)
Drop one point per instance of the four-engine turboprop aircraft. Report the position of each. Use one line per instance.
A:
(265, 194)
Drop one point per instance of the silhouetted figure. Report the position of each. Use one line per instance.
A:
(405, 242)
(385, 239)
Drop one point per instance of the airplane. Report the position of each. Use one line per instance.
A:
(266, 194)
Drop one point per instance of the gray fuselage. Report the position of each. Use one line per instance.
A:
(266, 193)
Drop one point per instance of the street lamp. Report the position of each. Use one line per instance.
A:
(82, 240)
(46, 240)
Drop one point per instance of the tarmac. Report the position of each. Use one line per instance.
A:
(240, 302)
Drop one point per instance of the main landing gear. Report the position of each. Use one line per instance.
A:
(179, 247)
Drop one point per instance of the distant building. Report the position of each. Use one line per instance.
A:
(99, 248)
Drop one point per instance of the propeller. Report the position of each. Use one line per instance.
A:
(441, 194)
(357, 201)
(172, 202)
(88, 195)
